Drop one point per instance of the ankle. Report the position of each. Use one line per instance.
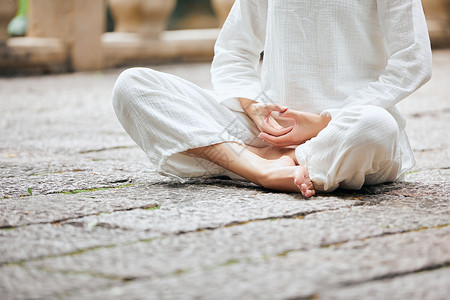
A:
(269, 171)
(262, 173)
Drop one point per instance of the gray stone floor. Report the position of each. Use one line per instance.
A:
(83, 215)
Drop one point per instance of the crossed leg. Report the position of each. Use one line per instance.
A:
(272, 167)
(280, 174)
(361, 146)
(166, 115)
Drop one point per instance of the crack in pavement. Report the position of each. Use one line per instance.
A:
(181, 232)
(393, 275)
(179, 272)
(337, 244)
(58, 221)
(430, 113)
(78, 191)
(75, 252)
(60, 172)
(377, 278)
(88, 273)
(107, 149)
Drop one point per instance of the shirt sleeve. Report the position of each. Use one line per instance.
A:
(409, 64)
(237, 53)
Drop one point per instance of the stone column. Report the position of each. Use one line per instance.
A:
(42, 53)
(437, 13)
(78, 23)
(8, 10)
(88, 28)
(50, 19)
(148, 18)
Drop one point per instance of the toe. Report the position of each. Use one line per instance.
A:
(299, 180)
(304, 188)
(311, 193)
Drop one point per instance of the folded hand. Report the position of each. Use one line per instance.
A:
(306, 126)
(261, 114)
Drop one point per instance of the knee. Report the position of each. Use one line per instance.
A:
(131, 83)
(379, 123)
(130, 79)
(374, 127)
(124, 84)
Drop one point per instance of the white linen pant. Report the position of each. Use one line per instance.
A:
(166, 116)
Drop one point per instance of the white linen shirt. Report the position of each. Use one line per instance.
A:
(323, 54)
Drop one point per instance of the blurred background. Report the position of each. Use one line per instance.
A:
(53, 36)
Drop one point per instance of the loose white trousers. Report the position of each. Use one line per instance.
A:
(166, 116)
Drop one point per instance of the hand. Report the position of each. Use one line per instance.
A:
(261, 114)
(307, 126)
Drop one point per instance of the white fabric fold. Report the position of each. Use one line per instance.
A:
(324, 54)
(352, 59)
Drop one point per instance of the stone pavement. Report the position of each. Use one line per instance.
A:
(82, 215)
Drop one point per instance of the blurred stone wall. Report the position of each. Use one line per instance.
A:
(63, 35)
(193, 14)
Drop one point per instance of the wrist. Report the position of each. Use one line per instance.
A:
(246, 103)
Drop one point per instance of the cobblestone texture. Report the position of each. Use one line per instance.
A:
(417, 286)
(83, 215)
(300, 274)
(18, 282)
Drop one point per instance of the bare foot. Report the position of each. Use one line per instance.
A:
(280, 174)
(283, 175)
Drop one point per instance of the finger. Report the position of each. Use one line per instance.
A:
(280, 124)
(269, 121)
(271, 131)
(270, 107)
(279, 141)
(289, 113)
(272, 122)
(283, 121)
(266, 113)
(279, 130)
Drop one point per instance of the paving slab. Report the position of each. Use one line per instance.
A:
(434, 136)
(300, 274)
(58, 239)
(60, 207)
(433, 284)
(191, 207)
(50, 240)
(432, 160)
(430, 176)
(210, 248)
(18, 282)
(201, 206)
(43, 179)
